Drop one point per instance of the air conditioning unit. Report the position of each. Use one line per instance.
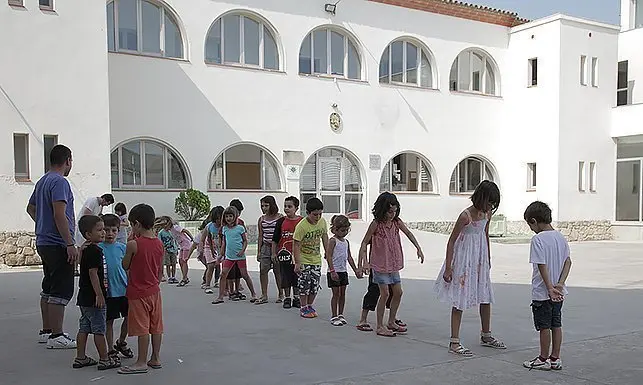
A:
(498, 226)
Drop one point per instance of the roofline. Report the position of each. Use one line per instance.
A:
(563, 17)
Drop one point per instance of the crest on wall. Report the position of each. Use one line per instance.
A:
(335, 122)
(293, 171)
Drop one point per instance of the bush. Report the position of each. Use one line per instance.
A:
(192, 205)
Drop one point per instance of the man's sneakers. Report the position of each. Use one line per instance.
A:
(43, 336)
(540, 363)
(63, 341)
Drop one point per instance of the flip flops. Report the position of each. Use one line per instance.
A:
(397, 329)
(386, 333)
(128, 370)
(365, 327)
(154, 366)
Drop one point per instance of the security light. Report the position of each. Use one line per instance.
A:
(330, 8)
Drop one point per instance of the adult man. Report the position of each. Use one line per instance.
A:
(51, 206)
(92, 206)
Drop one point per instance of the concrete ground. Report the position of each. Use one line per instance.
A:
(240, 343)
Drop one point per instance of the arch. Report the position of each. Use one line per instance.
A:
(469, 172)
(475, 70)
(346, 62)
(145, 27)
(409, 171)
(415, 63)
(148, 163)
(246, 166)
(336, 176)
(261, 49)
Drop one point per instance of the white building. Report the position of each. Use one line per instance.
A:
(245, 98)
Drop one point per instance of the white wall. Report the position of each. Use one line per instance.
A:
(54, 73)
(585, 119)
(200, 110)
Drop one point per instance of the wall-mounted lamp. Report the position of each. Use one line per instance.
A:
(330, 8)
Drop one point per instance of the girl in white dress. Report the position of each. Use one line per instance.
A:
(465, 279)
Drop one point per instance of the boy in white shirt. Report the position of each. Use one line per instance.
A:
(549, 255)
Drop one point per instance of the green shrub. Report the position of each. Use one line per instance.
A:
(192, 205)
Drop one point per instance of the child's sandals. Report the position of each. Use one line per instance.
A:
(109, 363)
(486, 339)
(455, 347)
(122, 348)
(84, 362)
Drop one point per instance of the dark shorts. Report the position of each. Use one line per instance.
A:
(117, 307)
(58, 279)
(547, 314)
(92, 320)
(309, 279)
(234, 273)
(287, 275)
(343, 280)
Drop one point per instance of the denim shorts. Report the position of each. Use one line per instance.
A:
(547, 314)
(92, 320)
(386, 278)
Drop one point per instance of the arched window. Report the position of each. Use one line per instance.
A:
(405, 62)
(144, 27)
(147, 164)
(245, 167)
(334, 176)
(473, 71)
(469, 173)
(327, 51)
(242, 39)
(407, 172)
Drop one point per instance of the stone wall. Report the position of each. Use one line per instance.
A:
(574, 231)
(18, 249)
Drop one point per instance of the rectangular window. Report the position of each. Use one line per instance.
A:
(594, 72)
(581, 176)
(583, 70)
(18, 3)
(628, 198)
(638, 13)
(49, 142)
(622, 97)
(21, 156)
(592, 176)
(46, 4)
(531, 176)
(533, 72)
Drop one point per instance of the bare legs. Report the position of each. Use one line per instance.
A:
(99, 342)
(396, 299)
(557, 341)
(184, 269)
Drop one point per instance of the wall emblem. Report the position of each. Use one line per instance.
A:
(335, 122)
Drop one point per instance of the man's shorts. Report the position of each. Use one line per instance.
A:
(117, 307)
(342, 281)
(309, 279)
(145, 316)
(169, 259)
(547, 314)
(92, 320)
(58, 279)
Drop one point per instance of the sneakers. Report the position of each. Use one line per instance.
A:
(307, 312)
(61, 342)
(287, 303)
(342, 319)
(43, 337)
(172, 280)
(538, 364)
(556, 364)
(296, 302)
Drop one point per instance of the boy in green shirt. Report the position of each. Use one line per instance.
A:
(309, 233)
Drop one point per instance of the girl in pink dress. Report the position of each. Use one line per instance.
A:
(465, 278)
(386, 259)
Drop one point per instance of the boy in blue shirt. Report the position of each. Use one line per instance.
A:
(117, 306)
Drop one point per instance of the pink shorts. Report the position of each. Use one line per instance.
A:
(209, 258)
(184, 255)
(228, 264)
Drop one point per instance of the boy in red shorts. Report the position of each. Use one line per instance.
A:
(143, 260)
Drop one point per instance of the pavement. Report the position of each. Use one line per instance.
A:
(241, 343)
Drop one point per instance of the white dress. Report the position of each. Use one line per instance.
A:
(471, 283)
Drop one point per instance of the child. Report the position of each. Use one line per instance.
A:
(309, 233)
(164, 224)
(143, 260)
(184, 239)
(386, 259)
(234, 277)
(121, 211)
(211, 248)
(266, 225)
(197, 245)
(337, 254)
(114, 253)
(91, 296)
(551, 262)
(465, 278)
(282, 243)
(234, 244)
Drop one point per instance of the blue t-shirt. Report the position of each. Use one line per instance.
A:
(233, 242)
(52, 187)
(116, 276)
(169, 243)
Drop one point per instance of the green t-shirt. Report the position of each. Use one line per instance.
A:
(309, 238)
